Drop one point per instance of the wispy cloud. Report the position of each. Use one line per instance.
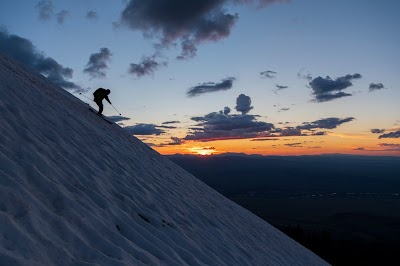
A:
(327, 123)
(280, 87)
(268, 74)
(382, 147)
(208, 87)
(294, 145)
(117, 118)
(146, 66)
(176, 141)
(91, 14)
(302, 74)
(144, 129)
(97, 65)
(45, 9)
(265, 139)
(170, 122)
(61, 16)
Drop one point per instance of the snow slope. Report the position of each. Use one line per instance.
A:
(75, 190)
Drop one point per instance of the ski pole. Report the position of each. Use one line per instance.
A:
(115, 109)
(85, 96)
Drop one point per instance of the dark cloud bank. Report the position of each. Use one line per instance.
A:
(24, 51)
(186, 23)
(222, 125)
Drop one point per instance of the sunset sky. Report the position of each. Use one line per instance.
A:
(269, 77)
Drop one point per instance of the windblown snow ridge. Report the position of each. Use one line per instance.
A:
(75, 190)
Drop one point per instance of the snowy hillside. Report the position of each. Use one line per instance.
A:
(75, 190)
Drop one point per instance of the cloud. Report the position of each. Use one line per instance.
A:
(208, 148)
(170, 122)
(326, 89)
(328, 123)
(385, 147)
(375, 86)
(283, 109)
(243, 103)
(188, 23)
(219, 126)
(189, 50)
(176, 141)
(227, 110)
(208, 87)
(390, 146)
(280, 87)
(24, 51)
(329, 96)
(117, 118)
(294, 145)
(391, 135)
(302, 75)
(61, 16)
(91, 14)
(168, 127)
(144, 129)
(319, 133)
(290, 131)
(377, 131)
(45, 9)
(265, 139)
(97, 64)
(146, 66)
(268, 74)
(263, 3)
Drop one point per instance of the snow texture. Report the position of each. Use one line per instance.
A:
(75, 190)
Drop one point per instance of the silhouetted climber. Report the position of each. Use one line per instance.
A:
(99, 95)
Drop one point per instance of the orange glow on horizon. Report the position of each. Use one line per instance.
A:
(311, 145)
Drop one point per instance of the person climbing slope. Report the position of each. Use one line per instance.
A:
(99, 95)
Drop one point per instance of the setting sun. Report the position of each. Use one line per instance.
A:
(202, 150)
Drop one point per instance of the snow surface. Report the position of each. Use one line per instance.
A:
(75, 190)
